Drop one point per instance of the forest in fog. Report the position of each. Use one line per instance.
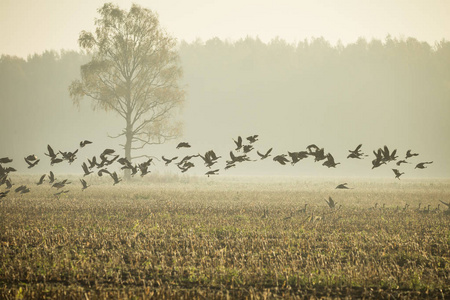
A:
(393, 92)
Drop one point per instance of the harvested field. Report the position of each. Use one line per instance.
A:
(238, 237)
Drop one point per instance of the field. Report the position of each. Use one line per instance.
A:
(237, 237)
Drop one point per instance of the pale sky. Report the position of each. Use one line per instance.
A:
(33, 26)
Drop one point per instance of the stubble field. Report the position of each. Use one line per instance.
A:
(240, 237)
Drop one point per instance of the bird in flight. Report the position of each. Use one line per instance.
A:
(238, 143)
(85, 185)
(409, 154)
(397, 173)
(422, 165)
(264, 156)
(183, 145)
(331, 203)
(84, 143)
(212, 172)
(343, 186)
(252, 138)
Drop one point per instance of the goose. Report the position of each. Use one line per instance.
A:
(247, 148)
(55, 160)
(169, 160)
(238, 143)
(92, 162)
(356, 153)
(252, 138)
(264, 156)
(84, 143)
(41, 180)
(31, 157)
(401, 162)
(31, 164)
(397, 173)
(50, 153)
(230, 166)
(281, 159)
(115, 177)
(5, 160)
(422, 165)
(101, 171)
(331, 203)
(86, 169)
(212, 172)
(312, 146)
(410, 154)
(60, 193)
(51, 177)
(60, 184)
(85, 185)
(342, 186)
(318, 154)
(144, 169)
(20, 188)
(183, 145)
(69, 156)
(3, 194)
(330, 163)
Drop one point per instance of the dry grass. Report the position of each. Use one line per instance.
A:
(207, 238)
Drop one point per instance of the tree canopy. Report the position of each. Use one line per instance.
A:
(135, 72)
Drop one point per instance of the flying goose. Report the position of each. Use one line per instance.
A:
(422, 165)
(183, 145)
(397, 173)
(252, 138)
(264, 156)
(84, 143)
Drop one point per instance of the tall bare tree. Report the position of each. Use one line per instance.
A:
(134, 71)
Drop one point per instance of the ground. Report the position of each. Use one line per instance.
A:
(235, 237)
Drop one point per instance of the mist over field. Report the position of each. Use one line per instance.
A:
(390, 92)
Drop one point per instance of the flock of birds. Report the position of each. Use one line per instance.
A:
(240, 154)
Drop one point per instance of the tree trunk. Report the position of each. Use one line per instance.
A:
(129, 137)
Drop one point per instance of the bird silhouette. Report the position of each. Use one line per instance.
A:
(331, 203)
(397, 173)
(84, 184)
(252, 138)
(116, 178)
(51, 177)
(281, 159)
(183, 145)
(330, 163)
(410, 154)
(422, 165)
(264, 156)
(401, 162)
(169, 160)
(50, 153)
(356, 153)
(343, 186)
(86, 169)
(84, 143)
(238, 143)
(5, 160)
(212, 172)
(31, 164)
(41, 180)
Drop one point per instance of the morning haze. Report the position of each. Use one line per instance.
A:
(261, 151)
(293, 73)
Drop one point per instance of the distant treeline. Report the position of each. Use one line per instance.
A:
(392, 91)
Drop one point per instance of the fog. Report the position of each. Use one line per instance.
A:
(296, 73)
(390, 92)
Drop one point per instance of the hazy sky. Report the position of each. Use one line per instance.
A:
(28, 27)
